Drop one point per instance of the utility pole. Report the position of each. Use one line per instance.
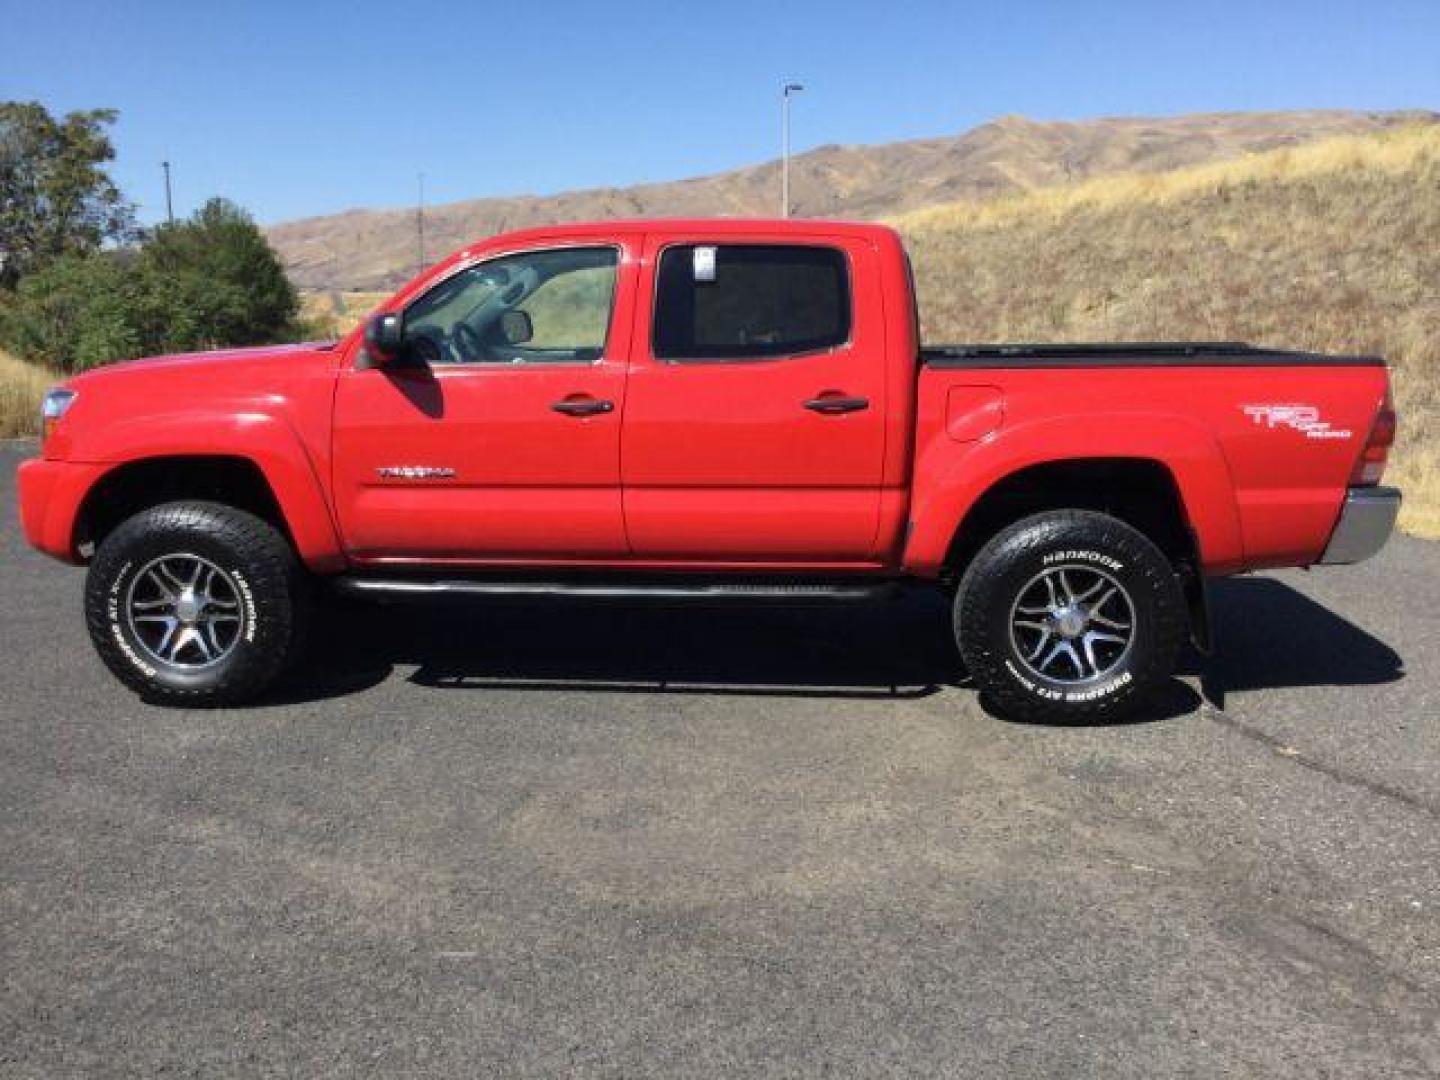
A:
(420, 221)
(785, 92)
(169, 204)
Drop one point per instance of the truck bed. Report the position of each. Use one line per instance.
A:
(1262, 441)
(1131, 354)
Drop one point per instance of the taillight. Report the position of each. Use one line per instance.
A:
(1371, 466)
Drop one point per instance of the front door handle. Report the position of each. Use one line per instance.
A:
(583, 406)
(837, 404)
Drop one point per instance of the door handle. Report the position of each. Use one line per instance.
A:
(583, 406)
(837, 404)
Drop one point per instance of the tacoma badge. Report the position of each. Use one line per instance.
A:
(415, 472)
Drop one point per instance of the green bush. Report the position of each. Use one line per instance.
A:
(73, 313)
(207, 282)
(218, 269)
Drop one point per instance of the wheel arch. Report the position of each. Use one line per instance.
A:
(1171, 456)
(1142, 492)
(297, 510)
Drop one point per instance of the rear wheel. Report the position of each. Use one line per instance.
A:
(1069, 617)
(196, 603)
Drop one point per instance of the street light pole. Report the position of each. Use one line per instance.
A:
(420, 220)
(788, 89)
(169, 205)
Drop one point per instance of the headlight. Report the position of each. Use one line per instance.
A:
(53, 407)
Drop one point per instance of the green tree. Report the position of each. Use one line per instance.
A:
(55, 196)
(214, 280)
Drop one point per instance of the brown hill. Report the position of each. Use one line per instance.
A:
(375, 249)
(1332, 246)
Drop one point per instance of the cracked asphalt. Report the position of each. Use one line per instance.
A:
(540, 840)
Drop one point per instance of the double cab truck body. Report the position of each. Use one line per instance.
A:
(702, 408)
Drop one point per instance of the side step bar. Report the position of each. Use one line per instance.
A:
(678, 589)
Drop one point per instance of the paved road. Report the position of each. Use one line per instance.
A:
(535, 841)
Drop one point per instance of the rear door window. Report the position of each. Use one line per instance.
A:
(735, 302)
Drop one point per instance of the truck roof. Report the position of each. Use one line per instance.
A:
(717, 226)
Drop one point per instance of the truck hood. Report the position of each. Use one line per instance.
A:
(120, 408)
(190, 362)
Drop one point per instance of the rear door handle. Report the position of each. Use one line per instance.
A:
(831, 405)
(583, 406)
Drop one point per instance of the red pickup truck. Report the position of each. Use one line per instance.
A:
(707, 410)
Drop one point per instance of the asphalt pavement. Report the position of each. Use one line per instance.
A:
(624, 840)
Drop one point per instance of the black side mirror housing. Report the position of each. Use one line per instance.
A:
(516, 327)
(383, 338)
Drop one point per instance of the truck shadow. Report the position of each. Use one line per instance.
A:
(895, 649)
(1270, 636)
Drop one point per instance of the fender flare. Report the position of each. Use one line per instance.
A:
(958, 475)
(264, 439)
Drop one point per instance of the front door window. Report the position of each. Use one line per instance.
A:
(539, 307)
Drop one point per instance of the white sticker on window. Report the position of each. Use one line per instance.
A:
(704, 264)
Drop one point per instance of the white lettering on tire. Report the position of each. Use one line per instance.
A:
(1082, 556)
(1093, 693)
(1096, 692)
(248, 598)
(112, 614)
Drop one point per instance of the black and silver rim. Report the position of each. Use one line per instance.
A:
(184, 611)
(1072, 624)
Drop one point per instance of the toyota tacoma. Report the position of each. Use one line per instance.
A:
(708, 410)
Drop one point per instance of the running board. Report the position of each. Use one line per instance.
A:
(781, 590)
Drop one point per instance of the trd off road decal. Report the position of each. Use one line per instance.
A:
(1305, 419)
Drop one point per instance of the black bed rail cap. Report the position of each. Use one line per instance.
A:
(1130, 354)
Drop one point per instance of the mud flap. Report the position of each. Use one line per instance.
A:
(1197, 603)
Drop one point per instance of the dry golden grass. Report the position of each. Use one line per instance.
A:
(21, 387)
(335, 314)
(1333, 246)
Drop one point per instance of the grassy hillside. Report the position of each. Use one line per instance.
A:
(335, 313)
(375, 249)
(1332, 246)
(21, 387)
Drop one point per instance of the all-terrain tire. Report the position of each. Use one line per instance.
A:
(1040, 664)
(257, 588)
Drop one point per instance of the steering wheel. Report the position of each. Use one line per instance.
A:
(466, 342)
(425, 347)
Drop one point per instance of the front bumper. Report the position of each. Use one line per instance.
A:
(50, 496)
(1366, 521)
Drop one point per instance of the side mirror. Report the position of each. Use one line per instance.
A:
(382, 338)
(516, 327)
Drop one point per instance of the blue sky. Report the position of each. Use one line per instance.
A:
(304, 108)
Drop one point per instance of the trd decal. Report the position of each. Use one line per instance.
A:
(1305, 419)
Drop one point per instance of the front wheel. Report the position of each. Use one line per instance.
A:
(195, 603)
(1069, 617)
